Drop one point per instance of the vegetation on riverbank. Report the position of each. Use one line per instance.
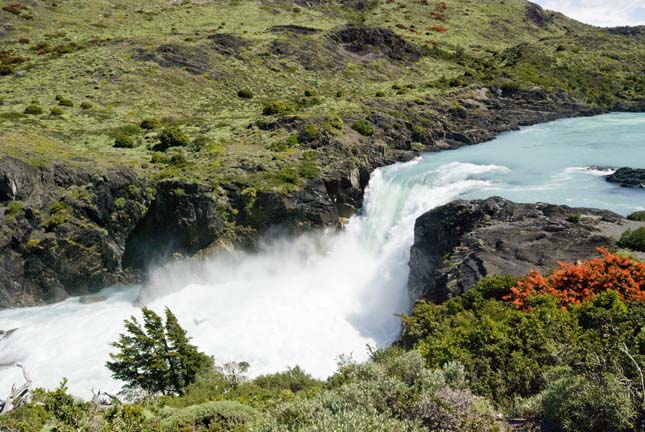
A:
(469, 364)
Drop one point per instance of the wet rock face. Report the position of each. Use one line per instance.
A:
(462, 242)
(183, 218)
(63, 229)
(16, 179)
(628, 177)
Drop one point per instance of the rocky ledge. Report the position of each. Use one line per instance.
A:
(628, 177)
(460, 243)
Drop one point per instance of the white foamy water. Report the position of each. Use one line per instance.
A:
(306, 301)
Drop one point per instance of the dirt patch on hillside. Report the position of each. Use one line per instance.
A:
(227, 44)
(292, 28)
(367, 40)
(193, 60)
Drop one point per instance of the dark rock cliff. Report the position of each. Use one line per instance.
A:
(458, 244)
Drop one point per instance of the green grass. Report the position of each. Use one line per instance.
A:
(88, 54)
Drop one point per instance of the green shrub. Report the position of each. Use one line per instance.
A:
(277, 108)
(283, 145)
(308, 166)
(150, 124)
(6, 69)
(380, 94)
(64, 406)
(245, 93)
(55, 111)
(86, 105)
(29, 417)
(363, 127)
(288, 175)
(63, 101)
(310, 93)
(14, 208)
(576, 403)
(33, 110)
(633, 239)
(335, 122)
(309, 133)
(574, 218)
(171, 136)
(420, 134)
(211, 416)
(124, 141)
(293, 379)
(638, 216)
(455, 410)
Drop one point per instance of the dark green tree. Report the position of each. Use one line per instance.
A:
(155, 357)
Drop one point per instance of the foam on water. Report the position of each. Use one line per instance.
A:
(306, 301)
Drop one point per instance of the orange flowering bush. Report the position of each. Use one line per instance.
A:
(575, 283)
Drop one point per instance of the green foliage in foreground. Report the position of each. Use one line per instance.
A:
(575, 369)
(460, 366)
(156, 357)
(637, 216)
(633, 239)
(394, 392)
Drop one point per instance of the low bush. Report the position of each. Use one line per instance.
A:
(171, 136)
(56, 111)
(86, 105)
(6, 70)
(308, 166)
(33, 110)
(288, 175)
(279, 146)
(309, 133)
(638, 216)
(572, 284)
(277, 108)
(633, 239)
(581, 403)
(363, 127)
(245, 93)
(211, 416)
(150, 124)
(13, 209)
(421, 135)
(63, 101)
(124, 141)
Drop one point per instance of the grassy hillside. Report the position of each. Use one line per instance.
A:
(114, 64)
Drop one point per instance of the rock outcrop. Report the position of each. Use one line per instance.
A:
(460, 243)
(628, 177)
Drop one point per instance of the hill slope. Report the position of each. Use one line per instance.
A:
(257, 114)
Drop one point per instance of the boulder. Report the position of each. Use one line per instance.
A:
(628, 177)
(458, 244)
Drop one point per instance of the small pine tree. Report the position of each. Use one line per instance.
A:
(155, 357)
